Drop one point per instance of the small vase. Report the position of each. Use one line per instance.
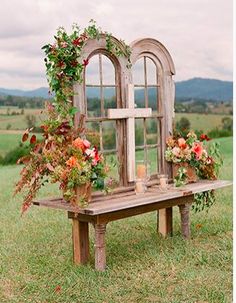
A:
(83, 194)
(191, 171)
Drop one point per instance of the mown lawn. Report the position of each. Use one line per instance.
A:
(36, 254)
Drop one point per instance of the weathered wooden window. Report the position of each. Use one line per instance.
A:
(101, 94)
(128, 111)
(146, 95)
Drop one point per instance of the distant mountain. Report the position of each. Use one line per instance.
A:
(209, 89)
(199, 88)
(39, 92)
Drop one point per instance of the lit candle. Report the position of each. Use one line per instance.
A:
(141, 171)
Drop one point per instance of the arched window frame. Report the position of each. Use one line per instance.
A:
(139, 48)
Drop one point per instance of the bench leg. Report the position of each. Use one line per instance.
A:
(80, 239)
(185, 224)
(100, 253)
(165, 221)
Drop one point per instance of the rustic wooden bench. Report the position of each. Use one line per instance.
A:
(122, 204)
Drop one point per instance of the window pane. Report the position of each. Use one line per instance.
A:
(92, 71)
(152, 158)
(109, 135)
(92, 133)
(109, 97)
(108, 71)
(152, 97)
(151, 72)
(139, 136)
(139, 97)
(112, 161)
(93, 101)
(138, 72)
(151, 131)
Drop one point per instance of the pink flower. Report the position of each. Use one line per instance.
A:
(86, 143)
(176, 151)
(64, 44)
(198, 150)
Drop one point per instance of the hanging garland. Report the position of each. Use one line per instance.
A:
(64, 66)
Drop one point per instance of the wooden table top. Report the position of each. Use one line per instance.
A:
(101, 204)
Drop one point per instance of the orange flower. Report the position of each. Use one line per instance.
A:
(182, 143)
(81, 144)
(78, 143)
(72, 162)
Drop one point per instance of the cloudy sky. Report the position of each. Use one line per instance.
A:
(197, 33)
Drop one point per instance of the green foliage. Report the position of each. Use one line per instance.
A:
(15, 154)
(30, 120)
(203, 201)
(182, 126)
(181, 177)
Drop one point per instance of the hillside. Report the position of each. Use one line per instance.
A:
(198, 88)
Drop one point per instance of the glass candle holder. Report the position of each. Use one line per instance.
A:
(163, 179)
(140, 186)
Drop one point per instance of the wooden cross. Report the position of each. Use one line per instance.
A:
(130, 113)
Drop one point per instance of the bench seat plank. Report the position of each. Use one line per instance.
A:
(121, 201)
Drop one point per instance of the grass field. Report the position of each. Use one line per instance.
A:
(36, 254)
(204, 122)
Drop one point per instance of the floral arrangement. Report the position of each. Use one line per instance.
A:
(206, 162)
(192, 150)
(64, 154)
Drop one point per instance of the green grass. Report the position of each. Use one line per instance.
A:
(9, 142)
(36, 254)
(18, 121)
(204, 122)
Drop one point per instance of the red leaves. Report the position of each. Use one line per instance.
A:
(25, 136)
(85, 62)
(33, 139)
(77, 41)
(58, 288)
(24, 207)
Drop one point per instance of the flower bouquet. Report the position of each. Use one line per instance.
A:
(191, 159)
(64, 156)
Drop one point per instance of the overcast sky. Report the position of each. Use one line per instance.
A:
(197, 33)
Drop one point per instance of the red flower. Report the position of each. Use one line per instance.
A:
(61, 64)
(85, 62)
(204, 137)
(77, 41)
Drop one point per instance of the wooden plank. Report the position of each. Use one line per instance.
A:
(100, 247)
(116, 202)
(125, 113)
(165, 221)
(80, 240)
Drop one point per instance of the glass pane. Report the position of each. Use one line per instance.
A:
(139, 97)
(93, 101)
(109, 135)
(92, 133)
(109, 97)
(152, 97)
(108, 71)
(152, 158)
(113, 163)
(151, 131)
(138, 72)
(139, 136)
(151, 72)
(92, 71)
